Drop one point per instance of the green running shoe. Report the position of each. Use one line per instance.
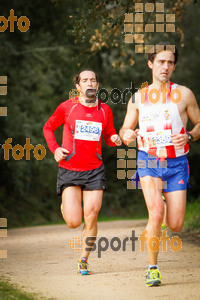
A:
(153, 277)
(163, 226)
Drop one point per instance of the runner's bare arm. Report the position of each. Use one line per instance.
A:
(127, 132)
(193, 112)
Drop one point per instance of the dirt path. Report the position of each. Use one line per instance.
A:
(41, 261)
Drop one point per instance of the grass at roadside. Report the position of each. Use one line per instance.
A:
(107, 219)
(101, 218)
(8, 291)
(192, 216)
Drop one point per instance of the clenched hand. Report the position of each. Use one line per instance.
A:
(116, 139)
(179, 140)
(60, 153)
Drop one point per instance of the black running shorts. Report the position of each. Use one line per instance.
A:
(88, 180)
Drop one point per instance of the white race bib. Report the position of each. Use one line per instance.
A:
(88, 130)
(155, 139)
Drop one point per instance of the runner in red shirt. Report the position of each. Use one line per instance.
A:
(81, 176)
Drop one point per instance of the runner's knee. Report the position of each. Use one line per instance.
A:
(73, 223)
(91, 219)
(156, 217)
(175, 227)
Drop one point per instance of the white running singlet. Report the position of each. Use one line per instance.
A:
(156, 124)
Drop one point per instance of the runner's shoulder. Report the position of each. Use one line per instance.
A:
(69, 102)
(186, 93)
(104, 106)
(184, 90)
(73, 100)
(134, 100)
(102, 103)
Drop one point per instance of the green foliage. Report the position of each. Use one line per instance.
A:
(36, 85)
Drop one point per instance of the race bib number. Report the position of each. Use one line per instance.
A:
(155, 139)
(87, 130)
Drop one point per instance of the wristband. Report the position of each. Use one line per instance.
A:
(191, 139)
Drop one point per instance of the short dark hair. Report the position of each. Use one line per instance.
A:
(77, 77)
(152, 55)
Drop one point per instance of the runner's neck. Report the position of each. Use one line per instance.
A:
(159, 85)
(82, 100)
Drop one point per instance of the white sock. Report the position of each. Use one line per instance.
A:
(155, 266)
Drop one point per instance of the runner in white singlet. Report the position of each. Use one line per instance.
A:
(163, 143)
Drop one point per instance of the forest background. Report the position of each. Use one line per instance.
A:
(64, 37)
